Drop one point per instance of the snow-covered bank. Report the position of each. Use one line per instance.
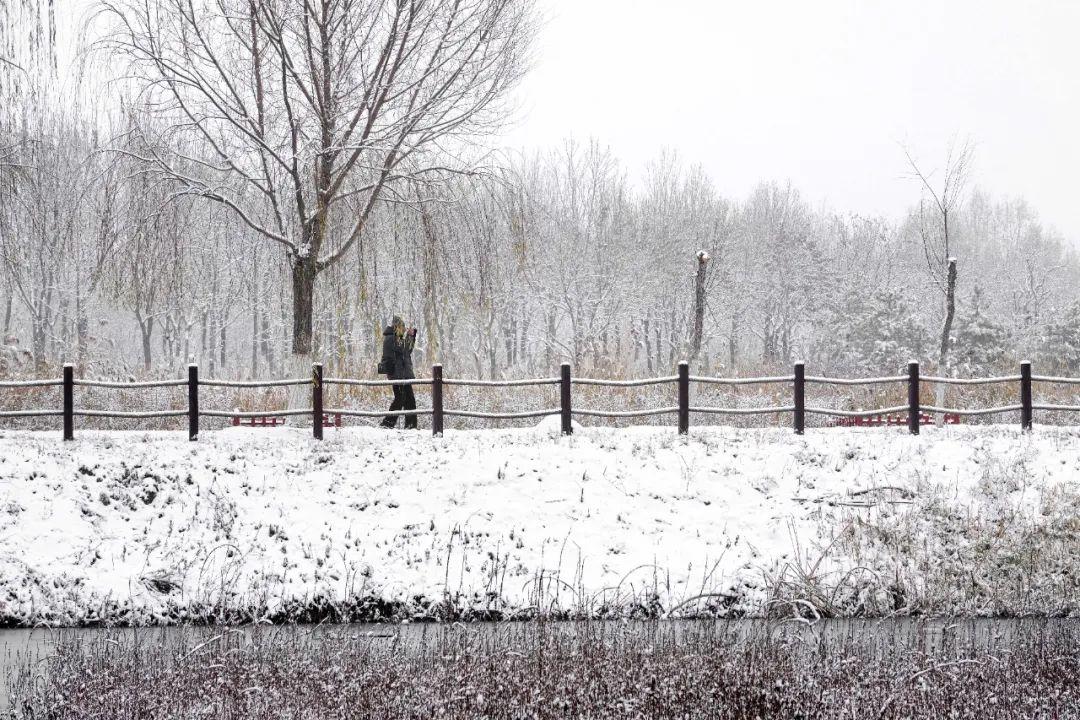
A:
(253, 523)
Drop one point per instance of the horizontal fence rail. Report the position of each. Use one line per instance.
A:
(298, 412)
(501, 415)
(502, 383)
(972, 381)
(972, 411)
(744, 411)
(914, 413)
(857, 381)
(130, 385)
(376, 383)
(30, 413)
(742, 381)
(1056, 380)
(624, 383)
(858, 413)
(255, 383)
(627, 413)
(30, 383)
(348, 412)
(137, 415)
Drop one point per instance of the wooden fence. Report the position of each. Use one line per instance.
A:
(798, 381)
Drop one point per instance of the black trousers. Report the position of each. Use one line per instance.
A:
(404, 399)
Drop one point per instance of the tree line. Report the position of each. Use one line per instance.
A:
(267, 182)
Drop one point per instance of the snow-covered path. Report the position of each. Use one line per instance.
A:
(148, 527)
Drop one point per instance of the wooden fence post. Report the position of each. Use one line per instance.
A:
(193, 401)
(316, 400)
(913, 398)
(800, 398)
(1025, 395)
(436, 400)
(69, 401)
(567, 428)
(684, 397)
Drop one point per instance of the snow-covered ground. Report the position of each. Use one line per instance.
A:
(254, 523)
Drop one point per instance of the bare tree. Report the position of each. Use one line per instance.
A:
(148, 267)
(580, 209)
(27, 49)
(779, 228)
(314, 111)
(936, 228)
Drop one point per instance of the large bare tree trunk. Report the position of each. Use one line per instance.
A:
(303, 285)
(699, 305)
(304, 271)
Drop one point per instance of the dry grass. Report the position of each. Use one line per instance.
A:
(1009, 548)
(580, 670)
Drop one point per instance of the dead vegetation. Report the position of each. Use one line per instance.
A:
(564, 670)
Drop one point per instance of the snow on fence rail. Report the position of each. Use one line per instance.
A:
(566, 410)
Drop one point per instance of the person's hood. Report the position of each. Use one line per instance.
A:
(389, 330)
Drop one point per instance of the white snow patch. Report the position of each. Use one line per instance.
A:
(155, 525)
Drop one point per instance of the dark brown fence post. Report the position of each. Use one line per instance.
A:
(913, 398)
(193, 401)
(436, 400)
(684, 397)
(316, 400)
(564, 404)
(69, 402)
(1025, 395)
(800, 398)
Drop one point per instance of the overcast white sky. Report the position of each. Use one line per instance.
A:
(821, 92)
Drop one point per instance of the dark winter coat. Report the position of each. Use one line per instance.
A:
(397, 354)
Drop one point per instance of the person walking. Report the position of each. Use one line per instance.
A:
(398, 344)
